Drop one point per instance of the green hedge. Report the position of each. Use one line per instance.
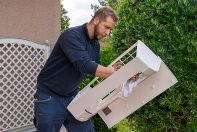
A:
(169, 28)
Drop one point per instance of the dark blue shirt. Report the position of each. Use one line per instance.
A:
(73, 56)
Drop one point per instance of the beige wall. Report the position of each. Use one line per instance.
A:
(34, 20)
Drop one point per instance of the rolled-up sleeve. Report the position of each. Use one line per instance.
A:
(74, 49)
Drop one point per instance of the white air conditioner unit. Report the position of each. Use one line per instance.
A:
(102, 96)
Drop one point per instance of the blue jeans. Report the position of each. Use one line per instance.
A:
(51, 113)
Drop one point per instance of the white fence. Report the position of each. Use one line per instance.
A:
(20, 63)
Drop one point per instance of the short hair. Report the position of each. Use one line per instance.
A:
(104, 12)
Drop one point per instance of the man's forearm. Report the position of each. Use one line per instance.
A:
(104, 72)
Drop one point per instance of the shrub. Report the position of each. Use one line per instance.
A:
(169, 29)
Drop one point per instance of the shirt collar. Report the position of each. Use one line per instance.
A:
(85, 30)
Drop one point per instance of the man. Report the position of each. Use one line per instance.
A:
(75, 54)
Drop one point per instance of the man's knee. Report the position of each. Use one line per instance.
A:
(48, 126)
(77, 126)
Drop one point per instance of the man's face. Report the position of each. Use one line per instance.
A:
(103, 28)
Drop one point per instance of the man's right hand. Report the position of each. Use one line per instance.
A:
(117, 65)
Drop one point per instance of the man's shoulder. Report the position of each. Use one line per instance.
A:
(76, 29)
(72, 32)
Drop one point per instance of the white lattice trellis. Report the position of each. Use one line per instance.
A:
(20, 63)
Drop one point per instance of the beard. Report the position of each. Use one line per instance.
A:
(96, 31)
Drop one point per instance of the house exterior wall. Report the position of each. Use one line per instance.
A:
(34, 20)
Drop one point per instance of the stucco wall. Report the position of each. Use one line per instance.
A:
(34, 20)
